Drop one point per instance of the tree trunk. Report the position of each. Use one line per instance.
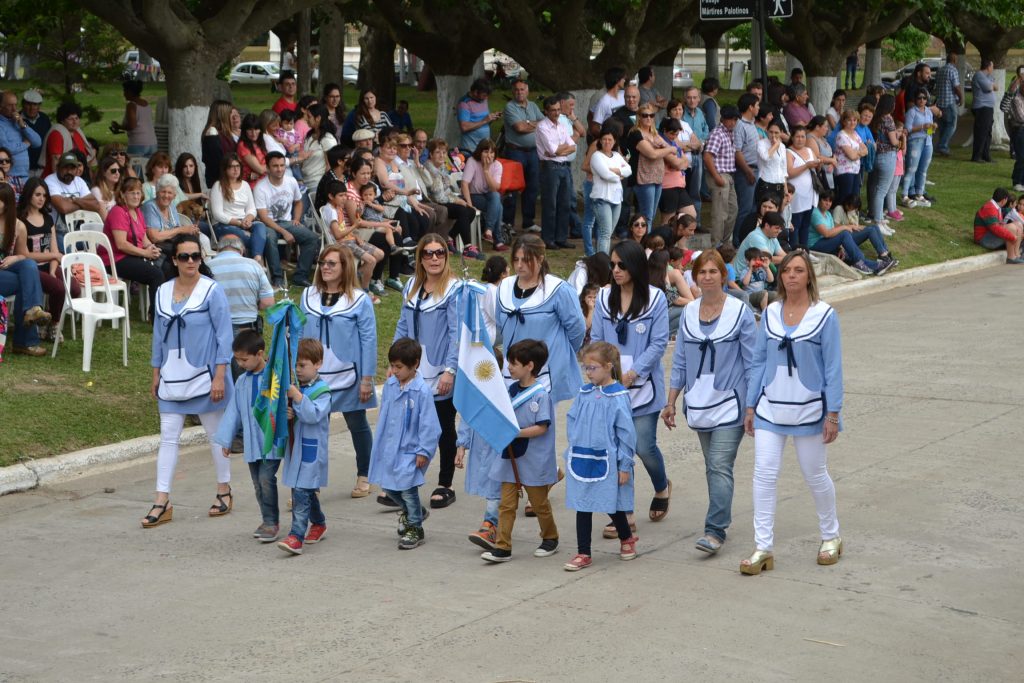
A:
(712, 38)
(663, 65)
(821, 89)
(332, 46)
(873, 64)
(191, 86)
(1000, 137)
(450, 89)
(302, 53)
(377, 65)
(791, 63)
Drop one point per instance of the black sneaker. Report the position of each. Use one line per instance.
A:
(547, 548)
(413, 538)
(403, 521)
(885, 265)
(497, 555)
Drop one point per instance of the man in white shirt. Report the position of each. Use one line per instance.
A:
(554, 145)
(279, 207)
(572, 125)
(614, 82)
(68, 192)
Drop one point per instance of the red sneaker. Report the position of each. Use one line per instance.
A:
(486, 537)
(316, 533)
(291, 544)
(627, 549)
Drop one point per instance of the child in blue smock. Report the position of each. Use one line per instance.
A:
(305, 467)
(407, 434)
(248, 349)
(478, 476)
(599, 460)
(530, 459)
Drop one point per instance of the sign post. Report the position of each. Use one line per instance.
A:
(758, 11)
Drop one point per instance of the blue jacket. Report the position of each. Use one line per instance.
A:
(641, 342)
(602, 441)
(797, 375)
(239, 412)
(434, 323)
(407, 426)
(306, 464)
(348, 332)
(551, 314)
(13, 138)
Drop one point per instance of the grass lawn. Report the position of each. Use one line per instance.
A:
(51, 407)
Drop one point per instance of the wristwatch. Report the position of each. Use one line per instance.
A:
(450, 371)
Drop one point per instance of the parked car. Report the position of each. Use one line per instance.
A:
(132, 69)
(254, 72)
(891, 79)
(350, 74)
(681, 78)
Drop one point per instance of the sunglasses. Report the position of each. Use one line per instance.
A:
(404, 144)
(5, 161)
(114, 170)
(435, 253)
(618, 265)
(640, 224)
(194, 256)
(331, 264)
(647, 116)
(120, 154)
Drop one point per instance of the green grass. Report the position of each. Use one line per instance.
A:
(51, 407)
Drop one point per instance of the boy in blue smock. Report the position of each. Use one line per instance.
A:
(478, 475)
(530, 460)
(406, 438)
(248, 348)
(305, 467)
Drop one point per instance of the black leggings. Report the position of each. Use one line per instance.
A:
(585, 527)
(393, 261)
(446, 416)
(463, 216)
(143, 271)
(414, 225)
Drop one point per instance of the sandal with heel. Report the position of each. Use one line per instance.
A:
(166, 515)
(761, 559)
(220, 508)
(830, 551)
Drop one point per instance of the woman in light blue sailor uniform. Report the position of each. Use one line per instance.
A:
(536, 305)
(430, 315)
(191, 353)
(633, 316)
(711, 367)
(341, 316)
(796, 390)
(599, 459)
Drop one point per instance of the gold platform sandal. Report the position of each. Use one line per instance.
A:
(761, 559)
(830, 551)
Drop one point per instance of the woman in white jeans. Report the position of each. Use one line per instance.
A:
(796, 390)
(609, 168)
(191, 351)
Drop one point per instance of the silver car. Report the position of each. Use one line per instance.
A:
(254, 72)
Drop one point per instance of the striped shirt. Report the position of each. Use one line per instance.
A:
(244, 283)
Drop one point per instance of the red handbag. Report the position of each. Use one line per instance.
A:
(512, 178)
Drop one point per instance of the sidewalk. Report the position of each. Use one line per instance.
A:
(930, 586)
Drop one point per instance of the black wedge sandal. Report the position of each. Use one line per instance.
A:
(166, 515)
(219, 508)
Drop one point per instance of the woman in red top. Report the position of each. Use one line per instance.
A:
(252, 150)
(136, 257)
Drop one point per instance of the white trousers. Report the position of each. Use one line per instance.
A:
(810, 453)
(171, 425)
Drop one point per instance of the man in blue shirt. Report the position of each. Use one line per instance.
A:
(521, 119)
(17, 136)
(693, 116)
(745, 139)
(474, 116)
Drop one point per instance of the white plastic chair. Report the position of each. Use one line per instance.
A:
(475, 234)
(76, 219)
(92, 311)
(93, 242)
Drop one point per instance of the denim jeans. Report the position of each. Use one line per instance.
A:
(264, 480)
(919, 157)
(1017, 139)
(947, 126)
(531, 174)
(850, 242)
(255, 240)
(409, 500)
(647, 449)
(847, 184)
(694, 178)
(305, 511)
(802, 227)
(555, 180)
(362, 439)
(575, 223)
(606, 216)
(491, 510)
(309, 248)
(588, 218)
(744, 197)
(489, 204)
(22, 280)
(647, 198)
(719, 448)
(879, 181)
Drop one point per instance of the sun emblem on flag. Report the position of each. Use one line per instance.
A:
(485, 370)
(274, 390)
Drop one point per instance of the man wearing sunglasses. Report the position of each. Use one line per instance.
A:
(18, 137)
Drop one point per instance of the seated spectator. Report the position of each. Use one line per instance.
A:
(19, 277)
(595, 269)
(137, 258)
(769, 202)
(233, 210)
(400, 117)
(68, 192)
(440, 190)
(65, 136)
(164, 223)
(399, 191)
(6, 177)
(270, 124)
(217, 139)
(992, 233)
(757, 277)
(678, 230)
(120, 153)
(844, 240)
(279, 207)
(366, 255)
(244, 283)
(481, 183)
(678, 292)
(108, 177)
(186, 170)
(360, 173)
(252, 151)
(158, 166)
(765, 238)
(732, 286)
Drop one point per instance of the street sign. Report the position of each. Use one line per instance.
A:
(727, 10)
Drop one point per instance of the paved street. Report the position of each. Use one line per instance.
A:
(928, 476)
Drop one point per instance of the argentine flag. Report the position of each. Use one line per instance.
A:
(480, 394)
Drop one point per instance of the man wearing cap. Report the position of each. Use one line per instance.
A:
(720, 164)
(17, 136)
(32, 113)
(68, 192)
(363, 139)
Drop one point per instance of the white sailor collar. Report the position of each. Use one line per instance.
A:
(613, 389)
(812, 322)
(433, 301)
(544, 291)
(199, 295)
(653, 293)
(728, 320)
(311, 297)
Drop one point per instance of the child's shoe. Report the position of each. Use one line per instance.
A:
(577, 563)
(627, 549)
(316, 533)
(414, 537)
(486, 537)
(267, 533)
(497, 555)
(403, 521)
(291, 544)
(547, 548)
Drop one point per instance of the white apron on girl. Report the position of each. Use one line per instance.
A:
(706, 406)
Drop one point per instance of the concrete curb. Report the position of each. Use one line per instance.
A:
(33, 473)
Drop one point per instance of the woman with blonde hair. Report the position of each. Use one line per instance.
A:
(341, 316)
(653, 153)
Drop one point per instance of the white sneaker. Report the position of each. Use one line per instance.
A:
(928, 182)
(923, 203)
(886, 230)
(534, 228)
(906, 201)
(1018, 188)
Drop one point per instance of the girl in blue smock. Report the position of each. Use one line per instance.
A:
(599, 459)
(796, 390)
(537, 305)
(191, 352)
(430, 315)
(711, 366)
(341, 316)
(633, 316)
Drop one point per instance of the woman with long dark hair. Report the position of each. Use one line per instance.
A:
(319, 139)
(367, 114)
(883, 174)
(252, 150)
(186, 170)
(19, 277)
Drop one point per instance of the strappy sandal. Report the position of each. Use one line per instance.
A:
(446, 497)
(386, 501)
(611, 532)
(219, 508)
(166, 515)
(659, 506)
(361, 489)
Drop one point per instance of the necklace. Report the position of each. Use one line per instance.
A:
(179, 298)
(709, 312)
